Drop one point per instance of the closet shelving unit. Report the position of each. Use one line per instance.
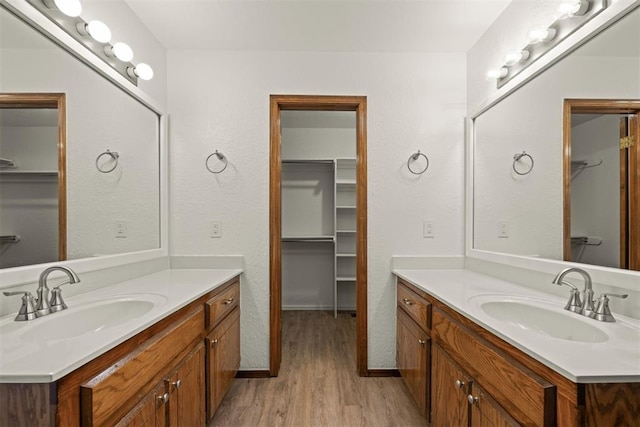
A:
(345, 220)
(341, 231)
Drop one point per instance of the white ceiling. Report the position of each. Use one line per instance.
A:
(319, 25)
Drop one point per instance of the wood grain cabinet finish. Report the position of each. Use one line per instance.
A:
(412, 357)
(150, 412)
(223, 359)
(218, 307)
(186, 391)
(511, 387)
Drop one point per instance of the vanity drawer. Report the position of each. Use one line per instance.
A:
(526, 396)
(418, 308)
(111, 392)
(222, 304)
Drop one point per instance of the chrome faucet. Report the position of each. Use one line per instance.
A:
(586, 306)
(45, 306)
(42, 306)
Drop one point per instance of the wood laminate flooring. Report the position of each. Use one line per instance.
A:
(318, 383)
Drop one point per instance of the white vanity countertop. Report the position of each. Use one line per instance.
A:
(26, 358)
(614, 360)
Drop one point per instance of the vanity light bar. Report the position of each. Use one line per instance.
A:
(570, 16)
(95, 36)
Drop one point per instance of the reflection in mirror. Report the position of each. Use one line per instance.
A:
(523, 214)
(32, 179)
(602, 184)
(107, 213)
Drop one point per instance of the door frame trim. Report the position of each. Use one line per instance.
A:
(278, 103)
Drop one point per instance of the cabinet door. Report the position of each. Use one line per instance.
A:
(150, 412)
(486, 412)
(186, 391)
(412, 359)
(450, 387)
(223, 361)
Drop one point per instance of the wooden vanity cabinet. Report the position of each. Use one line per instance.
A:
(413, 345)
(459, 401)
(507, 386)
(222, 344)
(159, 377)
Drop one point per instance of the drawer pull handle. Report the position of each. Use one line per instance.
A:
(472, 399)
(422, 342)
(214, 342)
(177, 384)
(459, 384)
(163, 398)
(229, 301)
(407, 301)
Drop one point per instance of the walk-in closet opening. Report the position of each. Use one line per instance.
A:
(318, 219)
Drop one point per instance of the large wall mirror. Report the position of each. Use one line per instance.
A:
(112, 167)
(564, 199)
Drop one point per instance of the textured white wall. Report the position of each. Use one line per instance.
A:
(531, 119)
(220, 100)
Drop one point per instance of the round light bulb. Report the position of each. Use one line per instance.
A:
(572, 8)
(499, 73)
(122, 51)
(144, 71)
(71, 8)
(99, 31)
(542, 35)
(515, 57)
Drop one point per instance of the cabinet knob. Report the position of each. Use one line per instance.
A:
(177, 384)
(472, 399)
(459, 384)
(163, 398)
(407, 301)
(422, 342)
(229, 301)
(214, 342)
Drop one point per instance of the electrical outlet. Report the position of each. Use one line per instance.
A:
(121, 229)
(215, 229)
(427, 230)
(503, 229)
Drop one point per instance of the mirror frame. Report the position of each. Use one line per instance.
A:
(16, 276)
(619, 278)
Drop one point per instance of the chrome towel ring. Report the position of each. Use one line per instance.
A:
(517, 157)
(221, 157)
(413, 158)
(114, 156)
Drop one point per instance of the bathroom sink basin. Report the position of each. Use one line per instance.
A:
(544, 319)
(90, 317)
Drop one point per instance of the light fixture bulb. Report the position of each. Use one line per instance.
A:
(516, 57)
(99, 31)
(71, 8)
(572, 8)
(142, 71)
(122, 51)
(542, 36)
(499, 73)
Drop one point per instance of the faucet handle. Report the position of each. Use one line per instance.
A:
(28, 308)
(56, 303)
(573, 304)
(602, 312)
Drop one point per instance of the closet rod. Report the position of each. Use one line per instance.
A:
(10, 238)
(324, 162)
(308, 239)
